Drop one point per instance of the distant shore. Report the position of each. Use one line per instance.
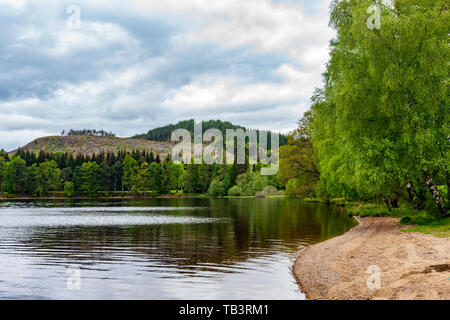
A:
(412, 265)
(160, 196)
(148, 196)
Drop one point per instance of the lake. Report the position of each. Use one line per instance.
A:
(158, 248)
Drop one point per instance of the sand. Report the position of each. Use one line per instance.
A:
(410, 265)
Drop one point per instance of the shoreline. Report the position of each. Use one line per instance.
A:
(412, 265)
(100, 197)
(156, 196)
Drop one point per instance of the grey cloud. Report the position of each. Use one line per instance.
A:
(120, 81)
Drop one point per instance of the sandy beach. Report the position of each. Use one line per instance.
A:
(411, 265)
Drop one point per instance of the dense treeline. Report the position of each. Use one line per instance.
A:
(164, 133)
(88, 132)
(379, 129)
(139, 172)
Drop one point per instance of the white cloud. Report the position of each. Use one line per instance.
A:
(226, 95)
(92, 36)
(14, 3)
(271, 26)
(253, 62)
(108, 102)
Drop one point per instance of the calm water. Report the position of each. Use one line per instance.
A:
(158, 248)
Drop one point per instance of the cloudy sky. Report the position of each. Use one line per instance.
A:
(135, 65)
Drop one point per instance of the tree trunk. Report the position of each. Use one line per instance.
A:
(411, 193)
(434, 192)
(394, 201)
(447, 174)
(412, 196)
(388, 203)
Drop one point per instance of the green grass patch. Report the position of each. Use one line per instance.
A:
(423, 222)
(440, 227)
(370, 209)
(314, 200)
(341, 202)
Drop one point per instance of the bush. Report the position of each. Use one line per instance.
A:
(260, 194)
(235, 191)
(272, 191)
(7, 195)
(406, 220)
(302, 187)
(268, 191)
(251, 182)
(69, 189)
(217, 188)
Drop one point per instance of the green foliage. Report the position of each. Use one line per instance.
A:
(14, 176)
(130, 169)
(153, 177)
(251, 182)
(175, 172)
(47, 178)
(4, 155)
(235, 191)
(297, 156)
(217, 188)
(269, 191)
(69, 189)
(382, 118)
(164, 133)
(2, 168)
(116, 175)
(66, 175)
(164, 181)
(190, 179)
(31, 175)
(103, 174)
(204, 177)
(302, 186)
(439, 227)
(142, 181)
(89, 174)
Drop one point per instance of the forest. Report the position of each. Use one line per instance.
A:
(124, 173)
(164, 133)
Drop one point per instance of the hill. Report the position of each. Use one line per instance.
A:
(164, 133)
(156, 140)
(88, 145)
